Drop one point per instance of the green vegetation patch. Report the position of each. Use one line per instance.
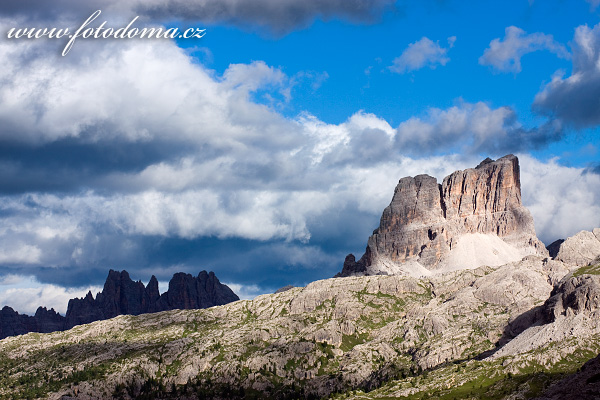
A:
(589, 270)
(350, 341)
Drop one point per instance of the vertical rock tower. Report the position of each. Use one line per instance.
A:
(475, 217)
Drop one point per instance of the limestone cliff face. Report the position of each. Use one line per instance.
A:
(477, 210)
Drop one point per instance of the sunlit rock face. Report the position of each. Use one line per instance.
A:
(474, 217)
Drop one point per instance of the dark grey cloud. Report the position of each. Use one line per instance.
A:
(594, 168)
(521, 139)
(576, 98)
(119, 167)
(70, 164)
(276, 16)
(35, 11)
(267, 265)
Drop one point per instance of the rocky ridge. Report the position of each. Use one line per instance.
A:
(122, 296)
(347, 335)
(12, 323)
(474, 217)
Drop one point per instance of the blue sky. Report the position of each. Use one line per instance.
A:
(267, 150)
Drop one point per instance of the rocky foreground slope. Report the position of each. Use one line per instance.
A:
(474, 217)
(489, 332)
(122, 296)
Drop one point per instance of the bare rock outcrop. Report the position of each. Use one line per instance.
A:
(581, 249)
(474, 218)
(120, 296)
(334, 335)
(572, 310)
(574, 295)
(554, 247)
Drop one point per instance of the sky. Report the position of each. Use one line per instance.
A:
(266, 149)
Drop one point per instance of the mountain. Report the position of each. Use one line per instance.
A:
(489, 332)
(527, 328)
(122, 296)
(188, 292)
(473, 218)
(12, 323)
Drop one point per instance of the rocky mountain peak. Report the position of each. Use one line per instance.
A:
(484, 162)
(186, 291)
(152, 290)
(122, 296)
(474, 217)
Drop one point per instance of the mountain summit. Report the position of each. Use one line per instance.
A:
(473, 218)
(122, 296)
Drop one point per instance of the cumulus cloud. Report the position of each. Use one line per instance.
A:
(563, 200)
(576, 98)
(505, 54)
(29, 294)
(422, 53)
(277, 16)
(14, 252)
(58, 102)
(162, 165)
(245, 292)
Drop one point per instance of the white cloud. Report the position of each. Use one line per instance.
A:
(440, 127)
(242, 170)
(576, 98)
(422, 53)
(15, 252)
(28, 294)
(167, 97)
(256, 215)
(11, 280)
(245, 292)
(562, 200)
(505, 54)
